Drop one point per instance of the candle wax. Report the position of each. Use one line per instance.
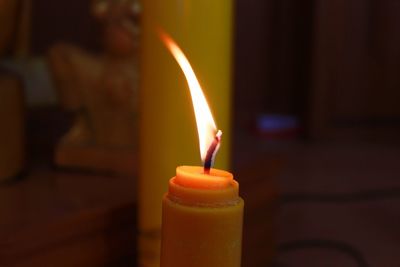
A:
(202, 220)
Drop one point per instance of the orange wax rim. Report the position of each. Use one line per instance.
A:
(194, 177)
(193, 187)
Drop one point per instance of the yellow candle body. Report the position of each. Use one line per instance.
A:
(168, 136)
(201, 226)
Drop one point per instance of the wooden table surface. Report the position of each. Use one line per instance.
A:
(59, 217)
(67, 217)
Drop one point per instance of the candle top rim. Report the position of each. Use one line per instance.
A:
(194, 177)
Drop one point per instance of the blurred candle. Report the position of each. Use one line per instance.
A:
(167, 131)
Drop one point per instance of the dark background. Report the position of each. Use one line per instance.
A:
(333, 64)
(327, 196)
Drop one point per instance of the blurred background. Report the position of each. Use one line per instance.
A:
(316, 127)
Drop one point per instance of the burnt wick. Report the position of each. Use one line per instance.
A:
(212, 152)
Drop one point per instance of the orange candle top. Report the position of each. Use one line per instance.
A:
(191, 186)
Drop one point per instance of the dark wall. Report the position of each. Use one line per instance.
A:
(273, 57)
(333, 64)
(63, 20)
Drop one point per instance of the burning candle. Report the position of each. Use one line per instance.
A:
(202, 211)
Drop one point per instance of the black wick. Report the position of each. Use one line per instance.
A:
(212, 152)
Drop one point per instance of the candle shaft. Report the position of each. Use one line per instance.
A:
(202, 222)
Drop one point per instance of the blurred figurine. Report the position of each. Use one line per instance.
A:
(102, 92)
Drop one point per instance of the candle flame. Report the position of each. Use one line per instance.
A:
(206, 126)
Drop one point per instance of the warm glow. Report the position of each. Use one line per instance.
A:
(205, 123)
